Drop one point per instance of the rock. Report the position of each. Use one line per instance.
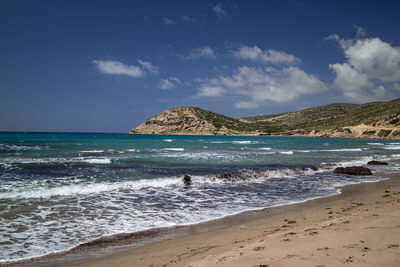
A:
(187, 180)
(375, 162)
(354, 170)
(224, 176)
(236, 176)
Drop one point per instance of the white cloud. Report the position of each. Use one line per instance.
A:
(246, 104)
(200, 52)
(188, 18)
(377, 59)
(371, 69)
(210, 90)
(175, 80)
(168, 21)
(360, 32)
(148, 66)
(267, 56)
(168, 83)
(165, 84)
(117, 68)
(262, 84)
(220, 11)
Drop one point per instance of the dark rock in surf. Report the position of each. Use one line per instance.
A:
(354, 170)
(187, 180)
(375, 162)
(234, 176)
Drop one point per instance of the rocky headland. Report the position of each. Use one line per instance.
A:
(370, 120)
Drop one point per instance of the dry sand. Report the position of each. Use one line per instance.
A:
(360, 227)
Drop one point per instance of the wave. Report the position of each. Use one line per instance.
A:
(247, 142)
(264, 148)
(244, 142)
(98, 161)
(286, 152)
(343, 150)
(86, 188)
(36, 163)
(81, 187)
(392, 147)
(376, 144)
(8, 147)
(168, 140)
(174, 149)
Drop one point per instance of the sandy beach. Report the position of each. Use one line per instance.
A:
(360, 227)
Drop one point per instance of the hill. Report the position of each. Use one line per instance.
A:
(375, 120)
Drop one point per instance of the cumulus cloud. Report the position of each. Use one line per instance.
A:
(267, 56)
(169, 83)
(261, 84)
(371, 69)
(200, 52)
(117, 68)
(220, 11)
(168, 21)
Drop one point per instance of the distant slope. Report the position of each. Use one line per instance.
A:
(377, 119)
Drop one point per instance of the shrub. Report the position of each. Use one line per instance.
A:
(369, 132)
(384, 133)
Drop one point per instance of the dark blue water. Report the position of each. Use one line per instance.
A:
(59, 190)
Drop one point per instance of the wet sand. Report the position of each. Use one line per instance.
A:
(360, 227)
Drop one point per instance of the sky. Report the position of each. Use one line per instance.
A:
(107, 66)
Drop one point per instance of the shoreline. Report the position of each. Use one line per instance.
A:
(269, 135)
(128, 247)
(358, 226)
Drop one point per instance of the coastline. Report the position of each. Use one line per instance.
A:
(262, 236)
(244, 134)
(360, 226)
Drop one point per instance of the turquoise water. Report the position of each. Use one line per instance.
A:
(59, 190)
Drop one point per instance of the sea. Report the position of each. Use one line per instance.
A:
(62, 190)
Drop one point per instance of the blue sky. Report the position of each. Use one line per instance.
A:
(107, 66)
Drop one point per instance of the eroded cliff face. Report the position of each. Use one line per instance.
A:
(178, 121)
(360, 131)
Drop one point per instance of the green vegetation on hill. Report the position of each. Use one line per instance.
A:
(220, 121)
(335, 116)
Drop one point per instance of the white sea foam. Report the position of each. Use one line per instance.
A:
(342, 150)
(392, 147)
(87, 188)
(286, 152)
(174, 149)
(264, 148)
(357, 161)
(92, 151)
(98, 161)
(242, 142)
(376, 144)
(20, 147)
(168, 140)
